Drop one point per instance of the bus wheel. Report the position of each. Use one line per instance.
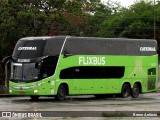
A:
(125, 91)
(34, 98)
(61, 94)
(135, 91)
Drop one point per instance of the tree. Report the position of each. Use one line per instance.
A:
(133, 22)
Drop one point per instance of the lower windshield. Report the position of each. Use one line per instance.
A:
(24, 72)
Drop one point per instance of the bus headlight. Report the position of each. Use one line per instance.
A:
(10, 91)
(35, 91)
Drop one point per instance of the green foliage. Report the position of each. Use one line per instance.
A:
(21, 18)
(133, 22)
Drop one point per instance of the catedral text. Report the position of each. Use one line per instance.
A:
(27, 48)
(147, 49)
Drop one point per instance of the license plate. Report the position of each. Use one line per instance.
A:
(21, 93)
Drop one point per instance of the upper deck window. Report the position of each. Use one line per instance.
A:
(29, 49)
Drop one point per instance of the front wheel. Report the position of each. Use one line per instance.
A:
(135, 91)
(61, 94)
(125, 92)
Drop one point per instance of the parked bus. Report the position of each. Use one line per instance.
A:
(64, 65)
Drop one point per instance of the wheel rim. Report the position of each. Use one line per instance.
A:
(126, 91)
(136, 91)
(61, 93)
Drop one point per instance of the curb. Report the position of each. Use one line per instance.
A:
(7, 95)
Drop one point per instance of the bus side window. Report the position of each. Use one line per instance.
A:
(151, 78)
(92, 72)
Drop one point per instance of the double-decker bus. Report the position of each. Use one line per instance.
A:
(65, 65)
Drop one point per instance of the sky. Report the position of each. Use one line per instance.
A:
(124, 3)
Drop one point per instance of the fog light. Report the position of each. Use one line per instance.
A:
(10, 91)
(35, 91)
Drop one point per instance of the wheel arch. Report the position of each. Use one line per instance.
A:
(128, 83)
(125, 90)
(66, 86)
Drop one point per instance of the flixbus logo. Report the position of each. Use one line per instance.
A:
(92, 60)
(27, 48)
(147, 49)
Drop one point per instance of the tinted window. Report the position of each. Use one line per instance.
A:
(53, 46)
(152, 71)
(108, 46)
(29, 49)
(92, 72)
(73, 47)
(24, 72)
(48, 66)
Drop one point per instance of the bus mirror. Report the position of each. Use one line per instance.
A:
(66, 54)
(39, 61)
(6, 59)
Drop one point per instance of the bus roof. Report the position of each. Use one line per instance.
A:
(42, 37)
(98, 45)
(110, 46)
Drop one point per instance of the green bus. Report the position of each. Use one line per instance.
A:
(66, 65)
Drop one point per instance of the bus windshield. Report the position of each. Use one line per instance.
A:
(24, 72)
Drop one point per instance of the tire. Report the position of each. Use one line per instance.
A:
(61, 94)
(135, 91)
(34, 98)
(125, 92)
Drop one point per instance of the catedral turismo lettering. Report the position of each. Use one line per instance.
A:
(147, 49)
(27, 48)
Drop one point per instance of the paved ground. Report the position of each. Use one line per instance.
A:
(146, 102)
